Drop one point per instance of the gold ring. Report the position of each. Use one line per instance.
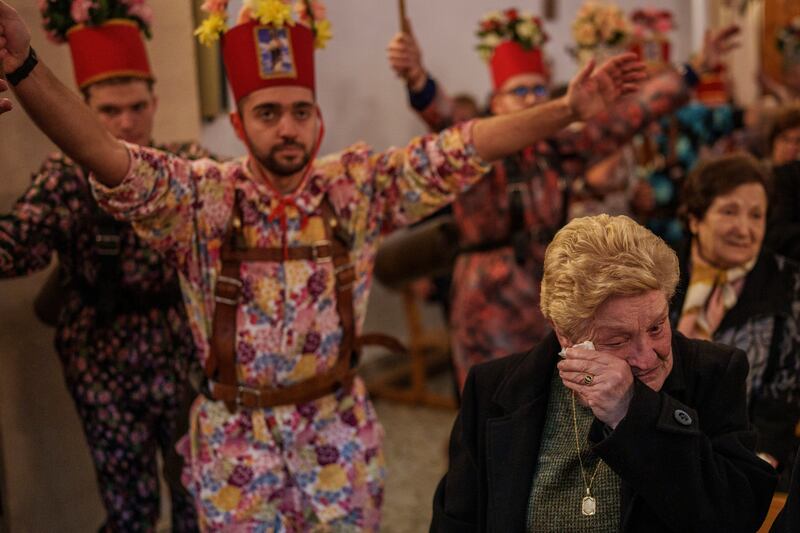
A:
(587, 379)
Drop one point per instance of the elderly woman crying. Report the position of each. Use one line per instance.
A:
(735, 292)
(636, 428)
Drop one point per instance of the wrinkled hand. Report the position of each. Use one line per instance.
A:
(15, 39)
(405, 58)
(716, 45)
(610, 392)
(595, 89)
(5, 103)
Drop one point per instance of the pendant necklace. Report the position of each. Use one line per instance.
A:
(588, 503)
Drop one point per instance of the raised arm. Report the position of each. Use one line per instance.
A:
(658, 97)
(591, 91)
(427, 97)
(56, 110)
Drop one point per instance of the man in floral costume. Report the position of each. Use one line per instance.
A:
(122, 334)
(275, 254)
(507, 220)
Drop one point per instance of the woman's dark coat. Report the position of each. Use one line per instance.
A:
(765, 324)
(676, 476)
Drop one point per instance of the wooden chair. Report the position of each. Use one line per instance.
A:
(778, 499)
(428, 350)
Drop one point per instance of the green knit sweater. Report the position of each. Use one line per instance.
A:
(558, 487)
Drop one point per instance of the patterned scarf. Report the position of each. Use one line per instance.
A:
(712, 292)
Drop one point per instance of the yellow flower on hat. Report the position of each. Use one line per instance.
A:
(272, 12)
(324, 33)
(209, 30)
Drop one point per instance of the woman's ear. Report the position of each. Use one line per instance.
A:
(693, 223)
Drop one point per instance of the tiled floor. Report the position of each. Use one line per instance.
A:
(416, 444)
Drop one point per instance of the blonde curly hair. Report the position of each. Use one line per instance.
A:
(594, 258)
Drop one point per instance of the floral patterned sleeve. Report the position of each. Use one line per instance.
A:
(29, 234)
(414, 181)
(605, 133)
(161, 195)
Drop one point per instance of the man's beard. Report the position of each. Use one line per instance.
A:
(284, 170)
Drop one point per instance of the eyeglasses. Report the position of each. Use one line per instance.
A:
(538, 90)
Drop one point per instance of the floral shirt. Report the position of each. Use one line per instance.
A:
(695, 130)
(241, 466)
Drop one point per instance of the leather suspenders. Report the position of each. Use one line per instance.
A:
(223, 382)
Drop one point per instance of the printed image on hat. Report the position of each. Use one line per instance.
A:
(105, 38)
(600, 31)
(271, 45)
(650, 40)
(511, 42)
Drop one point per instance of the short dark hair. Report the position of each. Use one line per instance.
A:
(787, 118)
(117, 80)
(717, 176)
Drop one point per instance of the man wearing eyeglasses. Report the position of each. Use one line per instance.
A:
(507, 220)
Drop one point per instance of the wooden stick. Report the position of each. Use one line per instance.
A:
(401, 4)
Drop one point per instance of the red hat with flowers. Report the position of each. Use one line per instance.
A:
(271, 45)
(511, 42)
(650, 41)
(104, 36)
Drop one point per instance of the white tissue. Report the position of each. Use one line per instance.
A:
(586, 345)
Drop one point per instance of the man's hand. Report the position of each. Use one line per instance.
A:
(715, 45)
(405, 58)
(15, 39)
(5, 103)
(609, 389)
(595, 89)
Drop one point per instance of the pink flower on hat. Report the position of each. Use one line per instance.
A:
(80, 10)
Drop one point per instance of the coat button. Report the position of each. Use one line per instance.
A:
(682, 417)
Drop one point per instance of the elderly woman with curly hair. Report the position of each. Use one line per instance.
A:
(735, 292)
(634, 428)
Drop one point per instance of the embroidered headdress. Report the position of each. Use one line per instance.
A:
(272, 43)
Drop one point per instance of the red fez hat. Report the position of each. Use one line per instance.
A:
(511, 59)
(111, 50)
(258, 56)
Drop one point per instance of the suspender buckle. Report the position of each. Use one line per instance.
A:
(345, 276)
(241, 390)
(321, 251)
(234, 293)
(107, 244)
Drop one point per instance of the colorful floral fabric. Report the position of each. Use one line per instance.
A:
(126, 366)
(695, 130)
(296, 467)
(495, 306)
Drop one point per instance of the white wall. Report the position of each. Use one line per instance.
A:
(362, 100)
